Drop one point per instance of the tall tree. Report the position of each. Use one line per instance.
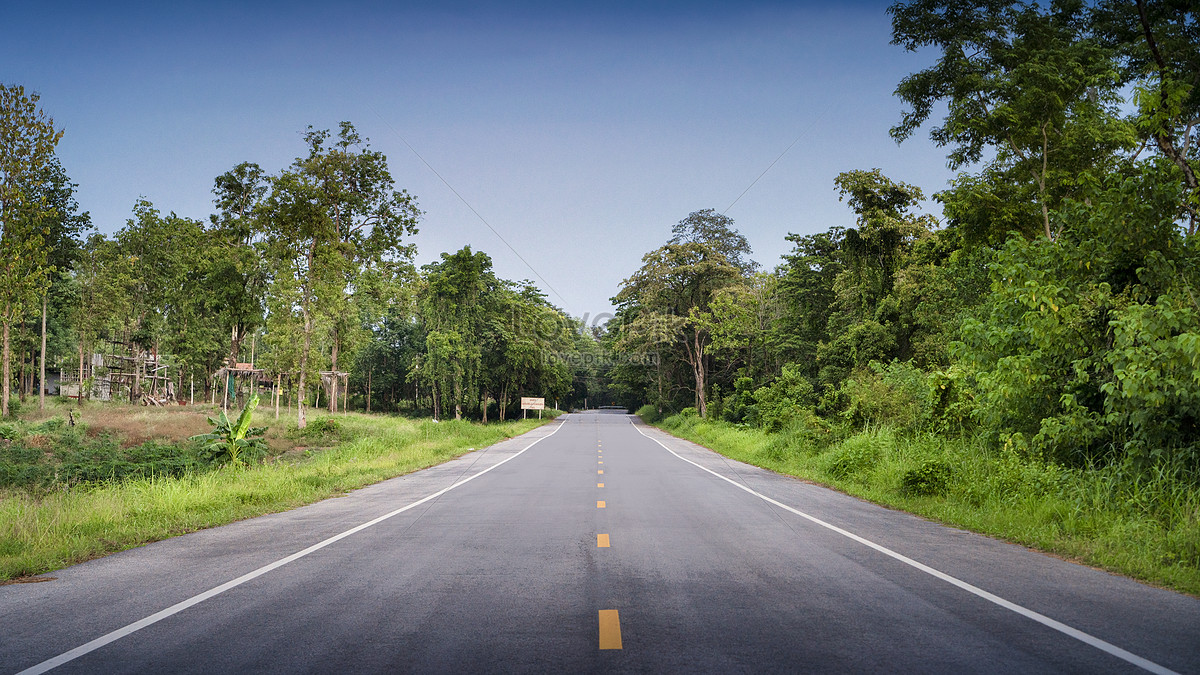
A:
(454, 306)
(716, 231)
(64, 227)
(674, 290)
(1159, 46)
(238, 267)
(27, 142)
(1024, 81)
(330, 215)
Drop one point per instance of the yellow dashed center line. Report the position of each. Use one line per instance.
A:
(600, 471)
(610, 629)
(600, 504)
(599, 484)
(602, 541)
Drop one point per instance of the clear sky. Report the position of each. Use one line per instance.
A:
(580, 132)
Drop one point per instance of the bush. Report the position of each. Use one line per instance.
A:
(785, 399)
(895, 394)
(857, 455)
(649, 414)
(321, 426)
(931, 478)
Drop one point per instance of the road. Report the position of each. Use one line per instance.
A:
(593, 544)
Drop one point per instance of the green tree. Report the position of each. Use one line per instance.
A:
(27, 141)
(807, 297)
(1158, 44)
(452, 304)
(716, 231)
(1026, 82)
(329, 216)
(236, 271)
(673, 291)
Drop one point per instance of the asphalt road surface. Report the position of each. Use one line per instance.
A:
(593, 544)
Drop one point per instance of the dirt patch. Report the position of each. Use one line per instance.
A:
(39, 441)
(27, 580)
(135, 426)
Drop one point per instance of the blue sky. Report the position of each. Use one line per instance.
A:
(581, 133)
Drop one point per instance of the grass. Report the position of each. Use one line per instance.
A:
(1142, 524)
(47, 528)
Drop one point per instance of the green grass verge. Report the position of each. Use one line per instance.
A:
(41, 531)
(1146, 526)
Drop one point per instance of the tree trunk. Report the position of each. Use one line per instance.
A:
(333, 379)
(23, 376)
(301, 421)
(695, 358)
(368, 391)
(7, 372)
(80, 371)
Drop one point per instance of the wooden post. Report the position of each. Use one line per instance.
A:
(278, 379)
(346, 395)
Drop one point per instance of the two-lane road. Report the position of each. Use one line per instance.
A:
(592, 544)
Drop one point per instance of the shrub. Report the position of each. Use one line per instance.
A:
(896, 394)
(322, 426)
(931, 478)
(649, 414)
(785, 399)
(856, 455)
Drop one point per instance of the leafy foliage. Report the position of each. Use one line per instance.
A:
(234, 442)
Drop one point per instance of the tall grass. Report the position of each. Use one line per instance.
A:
(1138, 522)
(45, 530)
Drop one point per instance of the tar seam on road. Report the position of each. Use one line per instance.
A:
(1063, 628)
(115, 635)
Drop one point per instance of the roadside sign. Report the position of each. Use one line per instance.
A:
(528, 403)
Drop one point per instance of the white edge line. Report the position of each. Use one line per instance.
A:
(115, 635)
(1086, 638)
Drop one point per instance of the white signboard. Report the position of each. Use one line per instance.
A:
(528, 403)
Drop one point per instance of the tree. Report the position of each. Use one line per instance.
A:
(886, 230)
(716, 231)
(1159, 48)
(673, 291)
(238, 271)
(65, 228)
(807, 297)
(452, 304)
(27, 141)
(329, 216)
(1024, 81)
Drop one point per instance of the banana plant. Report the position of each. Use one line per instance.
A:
(233, 441)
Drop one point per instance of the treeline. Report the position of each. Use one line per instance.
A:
(1053, 313)
(303, 271)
